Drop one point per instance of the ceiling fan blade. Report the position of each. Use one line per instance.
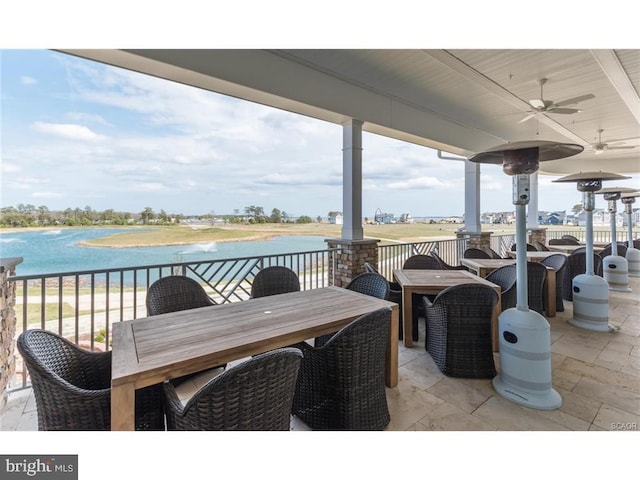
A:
(537, 103)
(563, 110)
(528, 117)
(571, 101)
(609, 147)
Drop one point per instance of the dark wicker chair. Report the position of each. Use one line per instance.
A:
(577, 265)
(72, 386)
(341, 385)
(559, 263)
(606, 251)
(256, 394)
(421, 262)
(561, 241)
(506, 278)
(368, 283)
(395, 295)
(541, 247)
(494, 254)
(445, 266)
(475, 253)
(530, 248)
(175, 293)
(536, 275)
(273, 281)
(636, 243)
(459, 330)
(572, 238)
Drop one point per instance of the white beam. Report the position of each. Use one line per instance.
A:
(352, 180)
(471, 197)
(532, 211)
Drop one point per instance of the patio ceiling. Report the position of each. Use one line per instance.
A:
(458, 101)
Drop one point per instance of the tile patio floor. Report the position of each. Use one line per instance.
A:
(597, 374)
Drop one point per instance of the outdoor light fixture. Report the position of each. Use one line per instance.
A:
(633, 254)
(615, 267)
(525, 335)
(590, 292)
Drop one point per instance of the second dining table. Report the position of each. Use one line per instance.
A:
(148, 351)
(432, 282)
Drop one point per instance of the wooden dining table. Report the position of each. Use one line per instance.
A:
(148, 351)
(536, 256)
(432, 282)
(484, 266)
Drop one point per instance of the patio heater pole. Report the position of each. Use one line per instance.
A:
(524, 334)
(614, 267)
(633, 254)
(590, 292)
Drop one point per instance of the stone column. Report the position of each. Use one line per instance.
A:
(348, 261)
(537, 235)
(7, 324)
(480, 240)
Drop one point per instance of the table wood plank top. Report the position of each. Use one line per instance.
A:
(571, 248)
(150, 350)
(432, 282)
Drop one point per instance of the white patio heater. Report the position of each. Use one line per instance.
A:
(525, 335)
(615, 268)
(633, 254)
(590, 292)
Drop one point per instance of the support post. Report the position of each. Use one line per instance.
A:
(352, 180)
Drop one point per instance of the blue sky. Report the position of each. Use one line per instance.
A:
(77, 133)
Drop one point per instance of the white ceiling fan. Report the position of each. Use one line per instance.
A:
(540, 105)
(601, 146)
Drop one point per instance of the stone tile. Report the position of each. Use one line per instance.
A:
(601, 374)
(28, 422)
(460, 395)
(563, 379)
(617, 360)
(297, 425)
(573, 348)
(579, 407)
(619, 397)
(611, 418)
(448, 417)
(506, 415)
(635, 351)
(408, 404)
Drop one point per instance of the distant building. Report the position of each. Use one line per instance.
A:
(552, 218)
(497, 217)
(601, 218)
(406, 218)
(335, 218)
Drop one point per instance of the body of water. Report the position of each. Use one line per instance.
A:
(54, 251)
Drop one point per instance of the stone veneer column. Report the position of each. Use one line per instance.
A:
(7, 324)
(480, 240)
(348, 261)
(537, 235)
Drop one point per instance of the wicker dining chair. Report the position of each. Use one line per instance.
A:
(174, 293)
(562, 241)
(505, 277)
(395, 296)
(606, 251)
(459, 335)
(493, 253)
(274, 280)
(72, 386)
(541, 247)
(256, 394)
(577, 265)
(476, 253)
(445, 266)
(559, 263)
(530, 248)
(570, 237)
(341, 385)
(368, 283)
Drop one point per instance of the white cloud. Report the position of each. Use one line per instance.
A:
(26, 80)
(46, 195)
(68, 130)
(417, 183)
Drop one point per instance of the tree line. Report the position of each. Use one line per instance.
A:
(27, 215)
